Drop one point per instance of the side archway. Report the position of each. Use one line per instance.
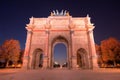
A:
(82, 60)
(37, 58)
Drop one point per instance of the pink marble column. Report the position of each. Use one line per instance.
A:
(93, 51)
(27, 49)
(73, 56)
(45, 60)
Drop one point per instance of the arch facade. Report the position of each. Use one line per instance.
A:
(76, 33)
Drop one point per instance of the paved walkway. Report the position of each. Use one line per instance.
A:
(60, 74)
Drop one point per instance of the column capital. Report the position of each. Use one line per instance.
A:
(47, 31)
(90, 31)
(71, 31)
(29, 32)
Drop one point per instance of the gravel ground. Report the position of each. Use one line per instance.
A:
(59, 74)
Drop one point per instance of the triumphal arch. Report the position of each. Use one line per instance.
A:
(76, 33)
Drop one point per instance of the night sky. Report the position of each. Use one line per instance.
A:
(60, 53)
(15, 14)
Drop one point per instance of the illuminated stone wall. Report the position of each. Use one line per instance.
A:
(75, 32)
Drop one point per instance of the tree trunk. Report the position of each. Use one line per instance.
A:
(7, 63)
(15, 63)
(114, 63)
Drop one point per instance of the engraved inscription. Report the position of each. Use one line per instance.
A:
(59, 22)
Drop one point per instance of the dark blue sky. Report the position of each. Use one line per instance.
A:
(60, 53)
(15, 14)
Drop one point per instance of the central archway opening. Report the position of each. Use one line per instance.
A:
(60, 55)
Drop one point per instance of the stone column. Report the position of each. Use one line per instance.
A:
(93, 50)
(73, 56)
(45, 62)
(45, 57)
(74, 62)
(26, 57)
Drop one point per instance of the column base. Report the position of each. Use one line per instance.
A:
(45, 62)
(95, 64)
(74, 63)
(25, 63)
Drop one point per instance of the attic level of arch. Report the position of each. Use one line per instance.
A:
(60, 23)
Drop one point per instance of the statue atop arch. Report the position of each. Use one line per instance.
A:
(57, 13)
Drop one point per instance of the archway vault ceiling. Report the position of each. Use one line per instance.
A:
(59, 39)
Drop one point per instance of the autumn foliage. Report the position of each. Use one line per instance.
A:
(10, 51)
(108, 52)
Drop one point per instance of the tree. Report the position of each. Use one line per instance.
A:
(110, 48)
(1, 53)
(11, 51)
(117, 53)
(21, 56)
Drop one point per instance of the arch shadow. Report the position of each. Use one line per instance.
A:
(37, 58)
(82, 60)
